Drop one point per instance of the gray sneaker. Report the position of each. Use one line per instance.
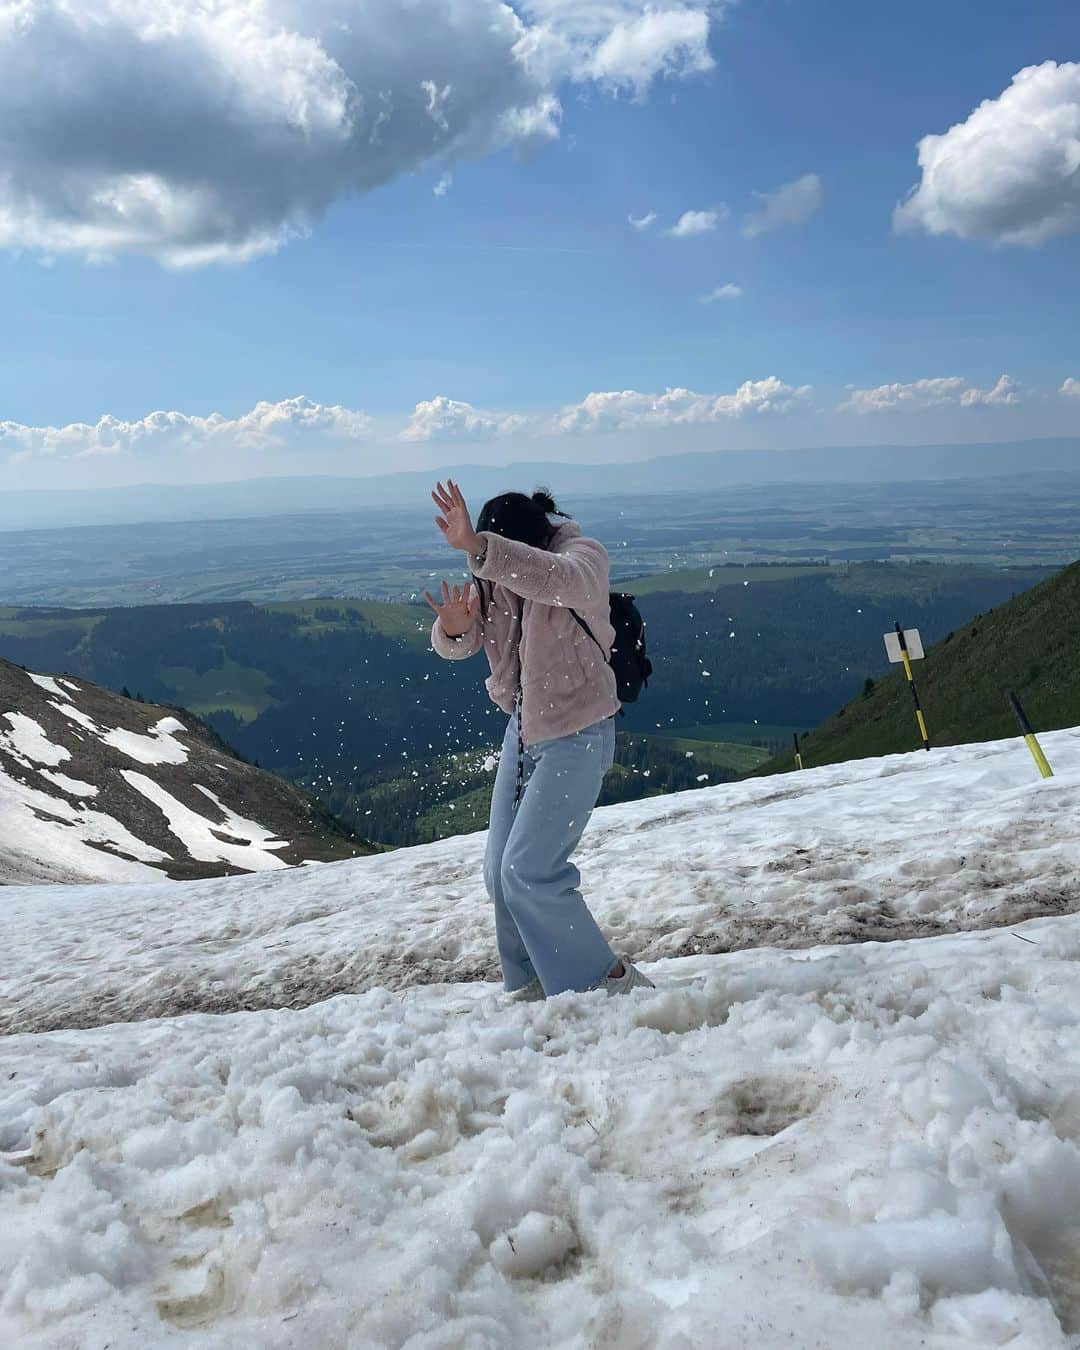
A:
(533, 992)
(631, 978)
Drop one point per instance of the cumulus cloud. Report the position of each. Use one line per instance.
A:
(296, 423)
(672, 41)
(625, 409)
(943, 392)
(729, 291)
(447, 419)
(194, 133)
(790, 205)
(1070, 389)
(695, 222)
(1010, 173)
(644, 222)
(442, 187)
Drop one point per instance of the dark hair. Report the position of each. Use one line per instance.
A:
(515, 516)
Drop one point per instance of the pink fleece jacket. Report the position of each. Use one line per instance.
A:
(530, 635)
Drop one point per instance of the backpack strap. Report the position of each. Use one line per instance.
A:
(589, 631)
(607, 659)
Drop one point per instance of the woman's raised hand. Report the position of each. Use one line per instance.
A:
(454, 520)
(458, 610)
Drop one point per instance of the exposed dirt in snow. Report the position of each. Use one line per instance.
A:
(851, 854)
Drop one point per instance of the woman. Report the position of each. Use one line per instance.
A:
(552, 677)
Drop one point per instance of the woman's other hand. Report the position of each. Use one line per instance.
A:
(454, 520)
(458, 610)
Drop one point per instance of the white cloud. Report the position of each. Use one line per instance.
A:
(729, 291)
(946, 391)
(695, 222)
(292, 423)
(447, 419)
(1011, 172)
(201, 132)
(671, 41)
(790, 205)
(442, 187)
(625, 409)
(1070, 389)
(644, 222)
(622, 44)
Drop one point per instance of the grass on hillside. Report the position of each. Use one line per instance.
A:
(739, 733)
(1029, 645)
(241, 690)
(712, 578)
(410, 622)
(47, 626)
(919, 581)
(869, 580)
(739, 758)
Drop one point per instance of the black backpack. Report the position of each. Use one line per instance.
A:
(628, 660)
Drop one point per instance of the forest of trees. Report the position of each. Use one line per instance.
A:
(329, 698)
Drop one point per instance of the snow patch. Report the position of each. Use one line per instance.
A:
(241, 842)
(47, 839)
(157, 747)
(76, 715)
(48, 683)
(28, 742)
(72, 786)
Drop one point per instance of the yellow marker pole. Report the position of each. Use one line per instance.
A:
(911, 685)
(798, 752)
(1030, 739)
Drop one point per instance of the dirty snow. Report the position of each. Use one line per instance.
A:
(157, 747)
(841, 1147)
(908, 846)
(873, 1145)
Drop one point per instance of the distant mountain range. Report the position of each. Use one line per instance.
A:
(701, 471)
(95, 786)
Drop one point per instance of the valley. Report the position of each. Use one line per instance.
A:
(344, 698)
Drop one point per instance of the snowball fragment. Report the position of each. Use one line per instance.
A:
(538, 1242)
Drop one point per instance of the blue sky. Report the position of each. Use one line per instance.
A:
(523, 288)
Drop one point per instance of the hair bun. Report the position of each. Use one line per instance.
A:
(545, 501)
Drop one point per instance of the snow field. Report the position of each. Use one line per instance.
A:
(863, 1145)
(910, 845)
(866, 1145)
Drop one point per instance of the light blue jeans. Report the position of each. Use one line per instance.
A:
(543, 926)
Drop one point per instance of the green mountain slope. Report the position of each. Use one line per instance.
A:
(1030, 645)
